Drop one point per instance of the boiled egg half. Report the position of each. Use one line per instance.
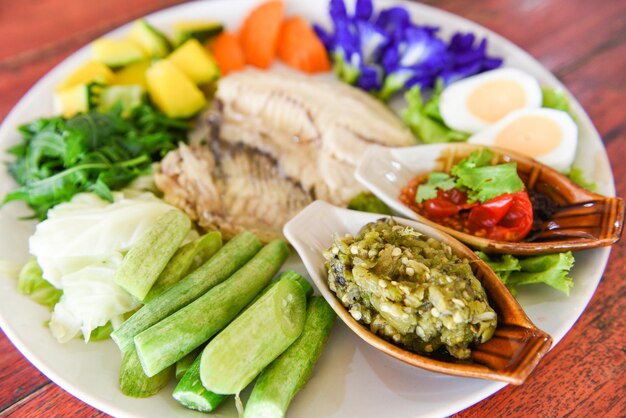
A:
(476, 102)
(549, 136)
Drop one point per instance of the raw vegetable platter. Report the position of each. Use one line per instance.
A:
(351, 378)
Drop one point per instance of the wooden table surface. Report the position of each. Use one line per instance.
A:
(582, 42)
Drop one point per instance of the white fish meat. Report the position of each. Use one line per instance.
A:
(279, 141)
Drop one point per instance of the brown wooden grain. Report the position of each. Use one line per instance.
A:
(583, 42)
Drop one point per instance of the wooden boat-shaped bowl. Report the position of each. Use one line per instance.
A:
(511, 354)
(582, 220)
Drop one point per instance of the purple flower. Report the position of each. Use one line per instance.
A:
(385, 52)
(465, 59)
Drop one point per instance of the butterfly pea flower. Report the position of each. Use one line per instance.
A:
(415, 59)
(356, 44)
(466, 59)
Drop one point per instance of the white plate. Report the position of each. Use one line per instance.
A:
(352, 379)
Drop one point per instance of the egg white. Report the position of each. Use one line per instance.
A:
(560, 157)
(453, 103)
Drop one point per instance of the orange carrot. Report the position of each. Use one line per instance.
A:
(259, 33)
(228, 53)
(300, 48)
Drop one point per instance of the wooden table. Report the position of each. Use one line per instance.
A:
(582, 42)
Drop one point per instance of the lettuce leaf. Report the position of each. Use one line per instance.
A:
(368, 202)
(555, 99)
(31, 283)
(424, 119)
(552, 270)
(577, 175)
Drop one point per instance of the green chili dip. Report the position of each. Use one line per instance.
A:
(410, 289)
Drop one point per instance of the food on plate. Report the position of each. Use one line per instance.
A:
(30, 282)
(135, 383)
(285, 376)
(300, 48)
(153, 42)
(472, 104)
(228, 53)
(150, 254)
(259, 33)
(254, 339)
(476, 198)
(385, 52)
(549, 136)
(116, 52)
(94, 151)
(90, 71)
(169, 340)
(368, 202)
(186, 259)
(201, 30)
(231, 188)
(264, 35)
(506, 108)
(190, 392)
(230, 258)
(551, 269)
(172, 91)
(424, 118)
(278, 142)
(410, 289)
(79, 249)
(132, 75)
(195, 61)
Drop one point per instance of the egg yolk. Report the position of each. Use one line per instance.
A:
(494, 99)
(530, 135)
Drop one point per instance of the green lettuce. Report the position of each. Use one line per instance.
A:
(577, 175)
(424, 119)
(31, 283)
(551, 269)
(367, 202)
(555, 99)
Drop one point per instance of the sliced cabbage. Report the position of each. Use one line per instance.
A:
(80, 247)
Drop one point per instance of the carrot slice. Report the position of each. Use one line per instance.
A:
(300, 48)
(259, 33)
(228, 53)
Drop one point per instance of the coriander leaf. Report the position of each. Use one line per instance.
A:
(577, 175)
(424, 120)
(485, 183)
(435, 181)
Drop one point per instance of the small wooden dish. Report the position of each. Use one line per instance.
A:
(511, 354)
(583, 219)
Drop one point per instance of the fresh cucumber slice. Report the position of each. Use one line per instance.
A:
(153, 42)
(128, 97)
(253, 340)
(115, 52)
(197, 29)
(77, 99)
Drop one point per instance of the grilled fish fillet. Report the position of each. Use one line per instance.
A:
(274, 143)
